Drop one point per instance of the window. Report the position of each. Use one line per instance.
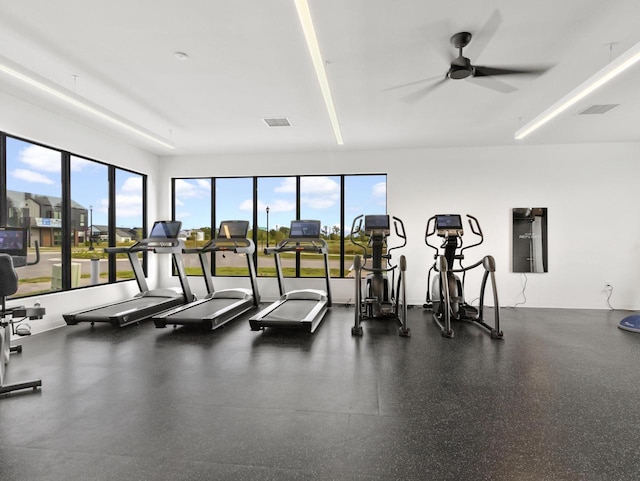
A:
(129, 217)
(278, 201)
(192, 207)
(34, 201)
(320, 200)
(363, 195)
(234, 201)
(89, 221)
(72, 221)
(276, 207)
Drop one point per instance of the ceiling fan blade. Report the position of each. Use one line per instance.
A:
(493, 84)
(485, 34)
(415, 82)
(416, 96)
(481, 71)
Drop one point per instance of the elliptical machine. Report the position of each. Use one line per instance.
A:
(379, 299)
(446, 298)
(13, 253)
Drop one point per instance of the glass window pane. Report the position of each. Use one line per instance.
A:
(363, 195)
(192, 207)
(34, 201)
(320, 200)
(234, 201)
(89, 221)
(276, 209)
(129, 205)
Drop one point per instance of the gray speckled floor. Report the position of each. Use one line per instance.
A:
(556, 400)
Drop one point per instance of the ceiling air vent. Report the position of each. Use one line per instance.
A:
(277, 122)
(597, 109)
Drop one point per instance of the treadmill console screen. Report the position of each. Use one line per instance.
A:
(304, 228)
(376, 222)
(165, 229)
(13, 241)
(233, 229)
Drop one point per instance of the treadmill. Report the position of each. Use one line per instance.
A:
(301, 309)
(162, 240)
(218, 307)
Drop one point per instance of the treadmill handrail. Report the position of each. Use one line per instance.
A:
(299, 244)
(238, 246)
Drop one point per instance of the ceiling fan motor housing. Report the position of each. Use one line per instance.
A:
(460, 68)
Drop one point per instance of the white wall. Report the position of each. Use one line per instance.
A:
(589, 190)
(23, 119)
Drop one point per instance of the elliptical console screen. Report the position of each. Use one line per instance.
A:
(165, 229)
(376, 222)
(13, 241)
(449, 222)
(233, 229)
(304, 228)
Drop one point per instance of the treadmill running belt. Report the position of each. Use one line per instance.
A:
(204, 310)
(291, 310)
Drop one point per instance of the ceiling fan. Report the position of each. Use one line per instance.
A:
(462, 68)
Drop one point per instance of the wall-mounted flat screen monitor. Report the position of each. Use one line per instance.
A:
(376, 222)
(233, 229)
(448, 222)
(304, 228)
(165, 229)
(13, 241)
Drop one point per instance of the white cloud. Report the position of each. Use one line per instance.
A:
(278, 205)
(31, 176)
(199, 189)
(133, 185)
(380, 189)
(40, 159)
(128, 206)
(78, 164)
(319, 192)
(320, 202)
(319, 185)
(246, 205)
(204, 184)
(288, 185)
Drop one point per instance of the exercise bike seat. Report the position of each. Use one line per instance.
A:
(8, 276)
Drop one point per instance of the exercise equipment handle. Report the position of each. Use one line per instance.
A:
(356, 230)
(475, 228)
(430, 231)
(37, 246)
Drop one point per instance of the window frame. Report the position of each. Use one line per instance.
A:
(66, 207)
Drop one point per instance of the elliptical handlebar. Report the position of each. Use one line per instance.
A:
(431, 231)
(356, 230)
(476, 229)
(402, 234)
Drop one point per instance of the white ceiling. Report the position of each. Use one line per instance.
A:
(248, 59)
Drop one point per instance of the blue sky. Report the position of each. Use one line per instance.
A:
(35, 169)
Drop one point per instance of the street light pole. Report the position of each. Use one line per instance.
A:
(267, 226)
(90, 227)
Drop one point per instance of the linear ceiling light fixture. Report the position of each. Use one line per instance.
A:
(316, 57)
(611, 70)
(80, 103)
